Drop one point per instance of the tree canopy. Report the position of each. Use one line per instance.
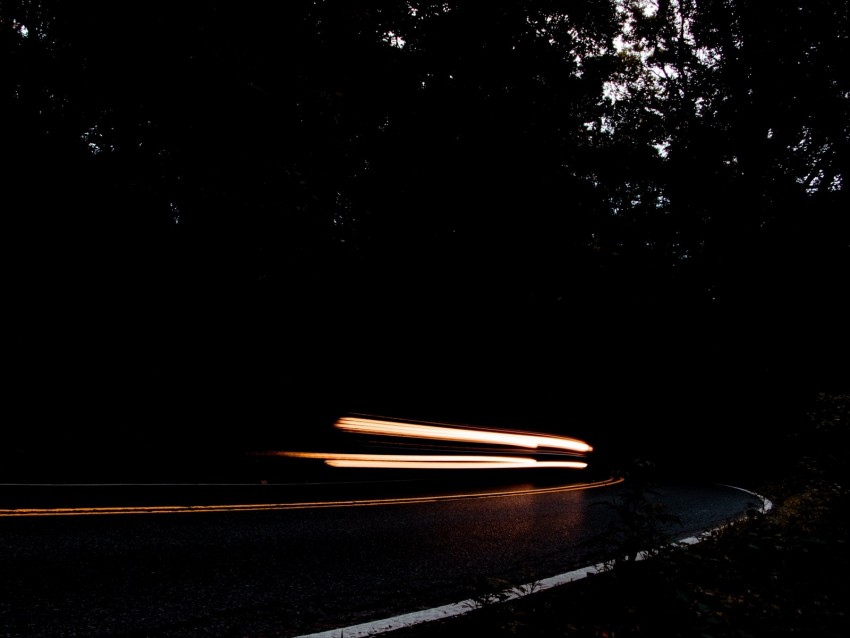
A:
(348, 193)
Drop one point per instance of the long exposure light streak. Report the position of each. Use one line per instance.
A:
(431, 458)
(430, 461)
(468, 435)
(452, 465)
(488, 445)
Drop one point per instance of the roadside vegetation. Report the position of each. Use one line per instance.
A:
(777, 572)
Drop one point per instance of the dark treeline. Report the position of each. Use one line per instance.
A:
(629, 215)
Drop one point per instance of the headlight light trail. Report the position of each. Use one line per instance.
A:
(492, 445)
(467, 435)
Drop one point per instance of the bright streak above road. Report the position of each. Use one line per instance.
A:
(435, 458)
(431, 461)
(467, 435)
(494, 463)
(490, 444)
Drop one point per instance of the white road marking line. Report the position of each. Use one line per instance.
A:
(458, 609)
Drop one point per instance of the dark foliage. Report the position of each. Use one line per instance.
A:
(220, 210)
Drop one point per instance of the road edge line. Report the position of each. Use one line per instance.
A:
(384, 625)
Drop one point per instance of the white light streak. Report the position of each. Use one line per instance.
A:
(431, 461)
(468, 435)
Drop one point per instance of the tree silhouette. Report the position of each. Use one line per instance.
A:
(578, 200)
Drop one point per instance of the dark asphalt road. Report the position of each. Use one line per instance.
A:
(284, 573)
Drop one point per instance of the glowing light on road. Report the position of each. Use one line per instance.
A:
(493, 449)
(432, 458)
(296, 505)
(430, 461)
(467, 435)
(493, 463)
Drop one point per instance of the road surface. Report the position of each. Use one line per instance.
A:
(292, 571)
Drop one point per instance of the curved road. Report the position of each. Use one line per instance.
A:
(294, 571)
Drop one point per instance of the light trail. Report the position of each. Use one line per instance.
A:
(362, 425)
(431, 458)
(259, 507)
(430, 461)
(453, 465)
(458, 457)
(453, 433)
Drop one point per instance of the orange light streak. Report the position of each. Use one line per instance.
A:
(431, 458)
(493, 463)
(258, 507)
(468, 435)
(430, 461)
